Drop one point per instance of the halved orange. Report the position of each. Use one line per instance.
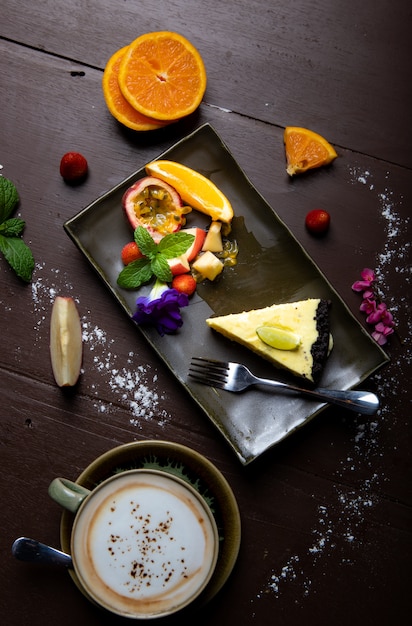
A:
(162, 76)
(195, 189)
(306, 150)
(117, 104)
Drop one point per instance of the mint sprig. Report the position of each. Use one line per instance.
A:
(155, 259)
(15, 251)
(12, 227)
(8, 198)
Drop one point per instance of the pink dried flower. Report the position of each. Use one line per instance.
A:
(368, 276)
(368, 306)
(381, 333)
(387, 319)
(368, 295)
(377, 314)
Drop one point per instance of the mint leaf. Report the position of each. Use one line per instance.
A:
(18, 255)
(136, 274)
(15, 251)
(161, 269)
(155, 258)
(175, 244)
(12, 227)
(8, 198)
(145, 242)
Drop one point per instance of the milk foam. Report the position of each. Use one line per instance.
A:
(143, 543)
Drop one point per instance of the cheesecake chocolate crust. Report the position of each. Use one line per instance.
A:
(320, 348)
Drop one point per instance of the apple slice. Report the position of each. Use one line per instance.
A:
(199, 238)
(179, 265)
(213, 239)
(66, 349)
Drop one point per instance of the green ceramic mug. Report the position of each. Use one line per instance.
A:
(144, 543)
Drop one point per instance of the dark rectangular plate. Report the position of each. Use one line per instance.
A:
(272, 268)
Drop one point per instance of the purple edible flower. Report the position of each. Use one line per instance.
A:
(161, 308)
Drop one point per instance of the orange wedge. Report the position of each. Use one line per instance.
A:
(195, 189)
(162, 76)
(117, 104)
(306, 150)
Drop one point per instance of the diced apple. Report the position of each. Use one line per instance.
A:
(199, 237)
(213, 239)
(66, 349)
(179, 265)
(208, 265)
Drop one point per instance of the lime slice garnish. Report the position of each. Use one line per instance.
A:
(279, 338)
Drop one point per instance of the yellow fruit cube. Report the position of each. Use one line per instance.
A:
(208, 265)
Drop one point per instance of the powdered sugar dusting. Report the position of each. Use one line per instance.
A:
(395, 256)
(361, 176)
(132, 386)
(342, 520)
(395, 250)
(340, 523)
(44, 291)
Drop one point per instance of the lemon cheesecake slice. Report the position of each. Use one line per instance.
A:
(295, 335)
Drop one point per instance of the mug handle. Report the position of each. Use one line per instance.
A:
(68, 494)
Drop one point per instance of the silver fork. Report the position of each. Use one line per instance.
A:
(237, 377)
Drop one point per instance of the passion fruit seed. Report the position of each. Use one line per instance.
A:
(156, 206)
(277, 337)
(229, 254)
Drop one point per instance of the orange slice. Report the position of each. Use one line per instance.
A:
(162, 76)
(195, 189)
(306, 150)
(117, 104)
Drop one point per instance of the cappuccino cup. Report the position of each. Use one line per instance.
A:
(144, 543)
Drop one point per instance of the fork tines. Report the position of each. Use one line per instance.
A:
(208, 371)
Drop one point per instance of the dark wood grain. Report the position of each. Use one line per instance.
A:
(326, 515)
(339, 68)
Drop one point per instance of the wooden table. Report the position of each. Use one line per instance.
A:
(326, 515)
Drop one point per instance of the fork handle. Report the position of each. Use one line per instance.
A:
(363, 402)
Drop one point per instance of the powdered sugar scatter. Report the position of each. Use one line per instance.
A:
(395, 257)
(340, 523)
(132, 386)
(44, 292)
(395, 225)
(361, 176)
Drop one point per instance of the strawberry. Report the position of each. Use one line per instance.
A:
(73, 167)
(185, 283)
(130, 252)
(317, 221)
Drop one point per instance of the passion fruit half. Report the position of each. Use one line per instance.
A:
(155, 205)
